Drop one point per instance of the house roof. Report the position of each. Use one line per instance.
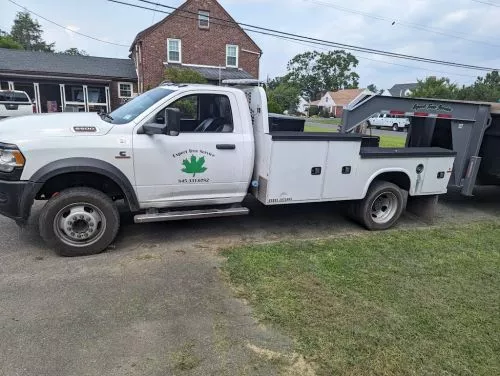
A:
(346, 96)
(187, 13)
(398, 89)
(214, 74)
(21, 61)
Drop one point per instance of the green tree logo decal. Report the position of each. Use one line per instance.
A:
(195, 166)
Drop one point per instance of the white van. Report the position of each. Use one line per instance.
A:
(15, 103)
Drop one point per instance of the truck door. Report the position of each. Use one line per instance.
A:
(204, 164)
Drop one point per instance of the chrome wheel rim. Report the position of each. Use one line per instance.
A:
(384, 207)
(80, 224)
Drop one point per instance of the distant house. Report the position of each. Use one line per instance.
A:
(335, 101)
(385, 93)
(58, 82)
(402, 90)
(199, 35)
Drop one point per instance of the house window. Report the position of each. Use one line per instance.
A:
(125, 90)
(203, 19)
(174, 51)
(232, 56)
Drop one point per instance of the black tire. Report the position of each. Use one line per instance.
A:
(380, 215)
(395, 127)
(99, 214)
(378, 127)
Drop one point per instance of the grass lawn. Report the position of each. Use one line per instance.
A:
(324, 121)
(385, 140)
(403, 302)
(392, 141)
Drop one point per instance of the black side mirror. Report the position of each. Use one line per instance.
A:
(172, 121)
(171, 124)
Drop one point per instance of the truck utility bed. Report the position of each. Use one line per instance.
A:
(298, 167)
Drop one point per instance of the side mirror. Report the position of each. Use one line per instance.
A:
(172, 121)
(171, 125)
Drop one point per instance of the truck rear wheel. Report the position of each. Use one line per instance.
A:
(395, 127)
(381, 208)
(79, 222)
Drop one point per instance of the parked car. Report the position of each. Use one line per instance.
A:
(15, 103)
(396, 123)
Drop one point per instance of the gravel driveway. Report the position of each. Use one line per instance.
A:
(156, 303)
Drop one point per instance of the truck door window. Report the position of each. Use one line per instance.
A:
(204, 113)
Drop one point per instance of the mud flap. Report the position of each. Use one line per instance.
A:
(424, 207)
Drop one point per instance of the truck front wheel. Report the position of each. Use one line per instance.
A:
(381, 208)
(79, 222)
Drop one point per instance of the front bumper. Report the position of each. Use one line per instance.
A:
(16, 199)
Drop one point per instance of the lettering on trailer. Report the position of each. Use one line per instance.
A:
(431, 107)
(193, 163)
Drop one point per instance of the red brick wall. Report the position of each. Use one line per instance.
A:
(114, 93)
(199, 46)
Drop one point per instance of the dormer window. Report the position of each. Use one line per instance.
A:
(203, 19)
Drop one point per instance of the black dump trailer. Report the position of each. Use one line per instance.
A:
(471, 129)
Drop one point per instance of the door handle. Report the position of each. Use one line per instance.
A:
(226, 146)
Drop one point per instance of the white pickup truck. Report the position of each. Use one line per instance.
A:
(395, 122)
(195, 151)
(15, 103)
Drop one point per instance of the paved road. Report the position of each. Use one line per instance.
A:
(374, 132)
(156, 303)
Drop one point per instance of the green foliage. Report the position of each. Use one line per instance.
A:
(6, 41)
(316, 72)
(28, 33)
(183, 76)
(284, 97)
(314, 110)
(194, 166)
(484, 89)
(433, 87)
(75, 52)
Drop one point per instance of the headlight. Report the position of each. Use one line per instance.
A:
(10, 158)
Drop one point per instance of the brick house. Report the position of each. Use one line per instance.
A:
(198, 35)
(61, 83)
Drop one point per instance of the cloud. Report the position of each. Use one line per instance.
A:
(70, 29)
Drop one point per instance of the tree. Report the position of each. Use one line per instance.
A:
(28, 33)
(484, 89)
(433, 87)
(373, 88)
(6, 41)
(75, 52)
(183, 76)
(284, 97)
(315, 72)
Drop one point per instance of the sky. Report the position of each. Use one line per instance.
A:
(464, 31)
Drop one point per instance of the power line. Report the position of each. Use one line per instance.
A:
(296, 41)
(410, 25)
(487, 3)
(276, 33)
(67, 28)
(391, 63)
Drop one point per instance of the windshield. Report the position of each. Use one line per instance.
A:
(130, 110)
